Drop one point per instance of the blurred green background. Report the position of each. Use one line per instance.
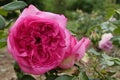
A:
(83, 15)
(68, 6)
(90, 18)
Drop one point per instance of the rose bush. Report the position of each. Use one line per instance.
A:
(105, 42)
(39, 42)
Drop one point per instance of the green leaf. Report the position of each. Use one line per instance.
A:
(92, 50)
(3, 12)
(2, 22)
(64, 77)
(117, 22)
(95, 79)
(83, 76)
(18, 71)
(116, 60)
(2, 44)
(110, 73)
(117, 15)
(107, 27)
(27, 77)
(14, 5)
(51, 77)
(109, 63)
(106, 56)
(118, 11)
(110, 12)
(75, 78)
(3, 39)
(107, 60)
(116, 40)
(9, 23)
(117, 31)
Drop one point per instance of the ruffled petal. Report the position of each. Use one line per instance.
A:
(60, 19)
(80, 48)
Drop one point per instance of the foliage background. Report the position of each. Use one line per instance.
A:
(90, 18)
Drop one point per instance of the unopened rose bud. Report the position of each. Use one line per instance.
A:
(94, 37)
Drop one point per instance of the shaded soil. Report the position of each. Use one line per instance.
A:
(6, 66)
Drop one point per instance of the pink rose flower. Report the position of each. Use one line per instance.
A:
(39, 42)
(105, 43)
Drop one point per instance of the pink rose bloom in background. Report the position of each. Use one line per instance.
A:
(39, 42)
(105, 42)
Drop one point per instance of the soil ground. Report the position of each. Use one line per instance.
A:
(6, 65)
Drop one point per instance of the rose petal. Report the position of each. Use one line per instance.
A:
(105, 42)
(60, 19)
(80, 48)
(68, 62)
(69, 58)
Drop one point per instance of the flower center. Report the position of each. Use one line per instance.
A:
(38, 40)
